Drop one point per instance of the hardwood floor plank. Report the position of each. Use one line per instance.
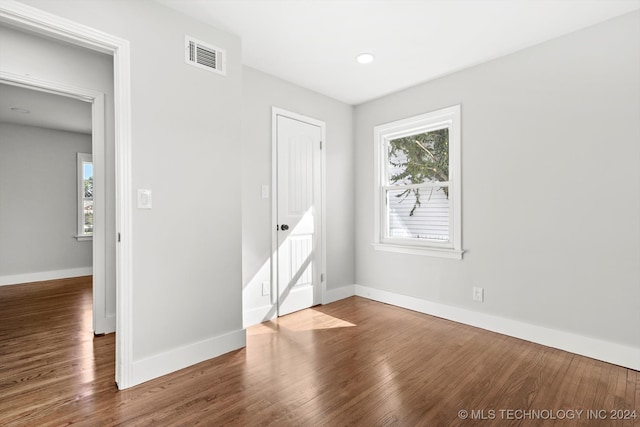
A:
(353, 362)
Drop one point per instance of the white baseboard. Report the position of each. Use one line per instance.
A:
(182, 357)
(258, 315)
(17, 279)
(333, 295)
(617, 354)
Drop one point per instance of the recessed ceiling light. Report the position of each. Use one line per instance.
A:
(20, 110)
(365, 58)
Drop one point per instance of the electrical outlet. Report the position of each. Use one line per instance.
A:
(266, 289)
(478, 294)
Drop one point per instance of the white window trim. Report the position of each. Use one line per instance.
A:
(81, 159)
(411, 126)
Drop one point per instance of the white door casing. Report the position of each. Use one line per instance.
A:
(298, 254)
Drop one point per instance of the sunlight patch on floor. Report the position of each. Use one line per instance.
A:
(87, 359)
(269, 327)
(305, 320)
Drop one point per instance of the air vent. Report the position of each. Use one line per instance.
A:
(205, 56)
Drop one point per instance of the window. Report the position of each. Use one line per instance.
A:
(85, 196)
(417, 203)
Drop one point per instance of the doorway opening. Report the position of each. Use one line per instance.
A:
(50, 26)
(40, 91)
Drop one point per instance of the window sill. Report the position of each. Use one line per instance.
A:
(415, 250)
(83, 238)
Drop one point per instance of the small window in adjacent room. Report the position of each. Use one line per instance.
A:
(417, 203)
(85, 196)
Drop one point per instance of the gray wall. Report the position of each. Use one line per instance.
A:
(550, 181)
(186, 250)
(38, 200)
(261, 92)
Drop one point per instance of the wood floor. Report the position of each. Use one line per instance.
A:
(353, 362)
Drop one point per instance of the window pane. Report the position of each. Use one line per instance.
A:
(87, 179)
(419, 158)
(87, 214)
(419, 213)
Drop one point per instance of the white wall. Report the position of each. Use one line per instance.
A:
(187, 302)
(550, 181)
(38, 202)
(261, 92)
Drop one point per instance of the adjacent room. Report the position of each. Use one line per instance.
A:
(292, 212)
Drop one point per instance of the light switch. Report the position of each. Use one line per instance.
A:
(144, 199)
(265, 191)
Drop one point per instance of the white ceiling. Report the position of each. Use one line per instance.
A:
(46, 110)
(313, 43)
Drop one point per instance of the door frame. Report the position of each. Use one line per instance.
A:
(101, 322)
(55, 27)
(275, 112)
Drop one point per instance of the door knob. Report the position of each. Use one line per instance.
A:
(284, 227)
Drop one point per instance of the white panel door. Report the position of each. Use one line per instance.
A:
(298, 214)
